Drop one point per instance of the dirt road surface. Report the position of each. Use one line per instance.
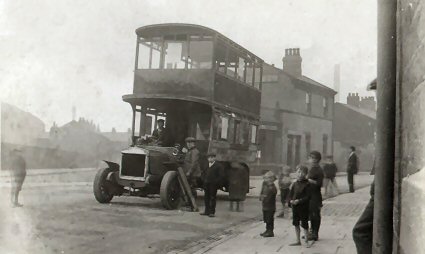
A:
(60, 215)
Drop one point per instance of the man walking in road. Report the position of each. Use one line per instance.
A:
(17, 172)
(315, 178)
(352, 168)
(329, 182)
(211, 182)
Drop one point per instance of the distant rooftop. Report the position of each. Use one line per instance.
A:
(368, 113)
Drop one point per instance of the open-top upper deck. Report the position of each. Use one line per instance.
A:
(196, 63)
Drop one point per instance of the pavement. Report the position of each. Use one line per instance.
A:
(339, 214)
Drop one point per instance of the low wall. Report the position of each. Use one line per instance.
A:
(41, 157)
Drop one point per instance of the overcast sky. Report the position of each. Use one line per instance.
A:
(58, 53)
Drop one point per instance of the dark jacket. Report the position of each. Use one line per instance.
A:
(18, 165)
(268, 196)
(300, 190)
(162, 137)
(213, 174)
(330, 169)
(353, 164)
(316, 173)
(191, 162)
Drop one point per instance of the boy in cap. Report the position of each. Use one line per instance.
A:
(315, 177)
(299, 196)
(284, 184)
(211, 183)
(268, 198)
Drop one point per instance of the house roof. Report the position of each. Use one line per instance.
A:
(369, 113)
(303, 80)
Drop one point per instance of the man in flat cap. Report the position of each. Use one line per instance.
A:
(211, 184)
(17, 172)
(191, 167)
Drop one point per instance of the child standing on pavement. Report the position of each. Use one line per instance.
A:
(284, 184)
(299, 196)
(268, 198)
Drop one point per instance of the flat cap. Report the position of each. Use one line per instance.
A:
(190, 139)
(372, 85)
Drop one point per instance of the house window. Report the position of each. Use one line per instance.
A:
(237, 132)
(308, 143)
(325, 107)
(308, 102)
(325, 144)
(254, 134)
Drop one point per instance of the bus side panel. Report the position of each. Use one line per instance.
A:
(230, 152)
(234, 94)
(174, 83)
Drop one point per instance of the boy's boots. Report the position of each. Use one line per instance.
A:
(313, 236)
(268, 233)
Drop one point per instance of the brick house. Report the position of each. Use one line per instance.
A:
(296, 114)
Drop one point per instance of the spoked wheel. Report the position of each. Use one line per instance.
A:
(170, 191)
(101, 186)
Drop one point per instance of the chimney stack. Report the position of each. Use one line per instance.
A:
(292, 62)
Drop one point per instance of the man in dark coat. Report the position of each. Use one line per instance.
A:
(352, 168)
(211, 183)
(17, 172)
(160, 133)
(315, 177)
(363, 229)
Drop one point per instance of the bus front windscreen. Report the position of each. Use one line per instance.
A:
(175, 52)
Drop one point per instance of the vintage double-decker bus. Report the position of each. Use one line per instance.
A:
(203, 85)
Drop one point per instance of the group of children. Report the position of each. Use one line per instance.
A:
(302, 195)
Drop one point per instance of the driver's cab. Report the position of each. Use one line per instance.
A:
(182, 119)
